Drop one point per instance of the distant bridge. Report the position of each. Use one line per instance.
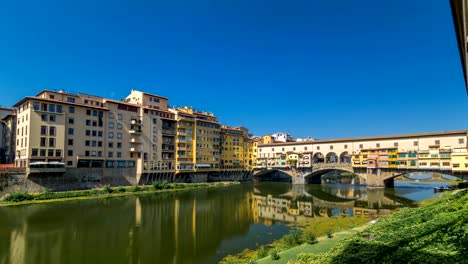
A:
(372, 177)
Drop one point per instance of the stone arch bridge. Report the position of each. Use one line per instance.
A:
(372, 177)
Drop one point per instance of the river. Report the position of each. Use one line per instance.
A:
(197, 226)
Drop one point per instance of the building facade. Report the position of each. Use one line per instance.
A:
(58, 130)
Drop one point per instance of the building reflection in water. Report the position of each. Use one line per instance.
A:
(188, 227)
(301, 202)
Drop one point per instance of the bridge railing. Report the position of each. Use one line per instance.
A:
(320, 166)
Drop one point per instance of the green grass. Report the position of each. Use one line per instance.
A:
(316, 226)
(434, 233)
(324, 244)
(16, 198)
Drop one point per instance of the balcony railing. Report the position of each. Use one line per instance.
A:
(135, 122)
(135, 141)
(135, 131)
(133, 149)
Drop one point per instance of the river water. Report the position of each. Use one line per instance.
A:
(197, 226)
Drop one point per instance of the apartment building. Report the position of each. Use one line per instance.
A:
(58, 130)
(232, 148)
(7, 135)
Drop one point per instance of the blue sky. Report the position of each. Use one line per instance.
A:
(319, 68)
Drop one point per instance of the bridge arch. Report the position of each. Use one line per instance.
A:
(331, 157)
(272, 176)
(318, 158)
(345, 158)
(316, 176)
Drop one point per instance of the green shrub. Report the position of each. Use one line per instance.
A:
(120, 189)
(329, 234)
(262, 252)
(18, 197)
(156, 185)
(274, 254)
(135, 188)
(310, 238)
(294, 237)
(252, 261)
(107, 189)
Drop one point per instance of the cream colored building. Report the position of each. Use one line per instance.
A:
(341, 150)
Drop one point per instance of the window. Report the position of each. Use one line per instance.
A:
(51, 142)
(51, 96)
(50, 153)
(111, 125)
(58, 153)
(52, 118)
(99, 133)
(43, 141)
(111, 144)
(272, 149)
(111, 116)
(94, 133)
(71, 109)
(318, 147)
(121, 164)
(361, 146)
(70, 142)
(437, 142)
(119, 117)
(36, 106)
(119, 135)
(94, 112)
(87, 153)
(87, 143)
(305, 148)
(111, 134)
(445, 163)
(70, 99)
(59, 108)
(94, 123)
(282, 149)
(99, 144)
(51, 108)
(415, 143)
(110, 164)
(34, 152)
(110, 154)
(88, 132)
(461, 141)
(44, 117)
(93, 143)
(119, 144)
(345, 146)
(331, 146)
(456, 165)
(69, 163)
(88, 122)
(377, 145)
(119, 154)
(52, 131)
(44, 107)
(88, 111)
(119, 126)
(42, 152)
(71, 120)
(43, 131)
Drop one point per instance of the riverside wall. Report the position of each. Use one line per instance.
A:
(87, 178)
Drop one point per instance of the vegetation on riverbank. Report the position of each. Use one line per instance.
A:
(306, 233)
(434, 233)
(16, 198)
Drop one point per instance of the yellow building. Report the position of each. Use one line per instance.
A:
(232, 148)
(459, 160)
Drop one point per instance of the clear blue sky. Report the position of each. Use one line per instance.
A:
(321, 68)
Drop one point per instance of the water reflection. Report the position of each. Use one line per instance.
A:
(293, 204)
(199, 226)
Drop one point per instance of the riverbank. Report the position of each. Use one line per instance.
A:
(22, 198)
(433, 233)
(299, 237)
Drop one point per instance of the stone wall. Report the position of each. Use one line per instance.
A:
(72, 179)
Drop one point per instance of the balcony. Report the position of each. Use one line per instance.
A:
(168, 132)
(135, 141)
(133, 149)
(135, 131)
(135, 122)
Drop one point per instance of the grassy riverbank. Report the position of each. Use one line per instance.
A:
(19, 198)
(437, 232)
(305, 234)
